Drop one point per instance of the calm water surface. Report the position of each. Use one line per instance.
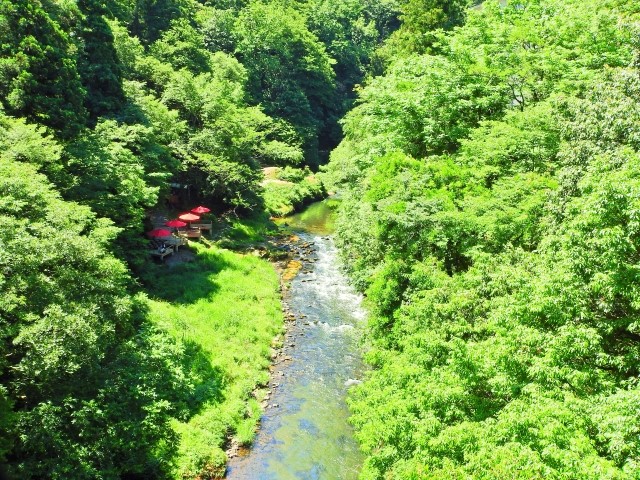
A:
(307, 436)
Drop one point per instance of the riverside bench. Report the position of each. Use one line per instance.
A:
(161, 254)
(175, 241)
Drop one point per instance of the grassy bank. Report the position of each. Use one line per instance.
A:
(224, 310)
(245, 233)
(288, 189)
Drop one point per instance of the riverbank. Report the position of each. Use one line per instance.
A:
(286, 252)
(239, 318)
(223, 302)
(288, 190)
(224, 310)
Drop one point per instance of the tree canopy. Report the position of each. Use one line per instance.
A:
(491, 181)
(75, 341)
(103, 106)
(489, 165)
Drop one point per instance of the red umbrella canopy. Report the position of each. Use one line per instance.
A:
(200, 209)
(159, 232)
(176, 223)
(189, 217)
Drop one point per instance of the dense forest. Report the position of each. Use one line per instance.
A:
(491, 182)
(488, 160)
(104, 106)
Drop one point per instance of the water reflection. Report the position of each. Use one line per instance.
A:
(317, 219)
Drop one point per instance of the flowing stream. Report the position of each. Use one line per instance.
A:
(304, 433)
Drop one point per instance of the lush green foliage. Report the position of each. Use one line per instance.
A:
(39, 78)
(223, 309)
(104, 105)
(491, 181)
(490, 217)
(291, 189)
(289, 69)
(82, 369)
(421, 19)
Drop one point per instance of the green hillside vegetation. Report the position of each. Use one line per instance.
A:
(490, 215)
(288, 189)
(110, 368)
(489, 167)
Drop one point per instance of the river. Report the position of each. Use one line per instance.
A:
(304, 433)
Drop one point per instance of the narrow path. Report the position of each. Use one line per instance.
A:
(304, 432)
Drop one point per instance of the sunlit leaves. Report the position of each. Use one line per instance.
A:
(289, 69)
(69, 331)
(497, 243)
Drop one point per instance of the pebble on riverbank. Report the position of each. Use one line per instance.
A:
(291, 270)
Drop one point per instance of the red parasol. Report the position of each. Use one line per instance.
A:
(200, 209)
(159, 232)
(189, 217)
(176, 223)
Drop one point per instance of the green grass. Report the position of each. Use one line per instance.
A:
(224, 308)
(240, 233)
(283, 199)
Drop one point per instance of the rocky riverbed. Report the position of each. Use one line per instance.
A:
(304, 431)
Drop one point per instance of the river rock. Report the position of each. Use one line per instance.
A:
(351, 382)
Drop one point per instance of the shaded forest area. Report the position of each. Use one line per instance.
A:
(491, 178)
